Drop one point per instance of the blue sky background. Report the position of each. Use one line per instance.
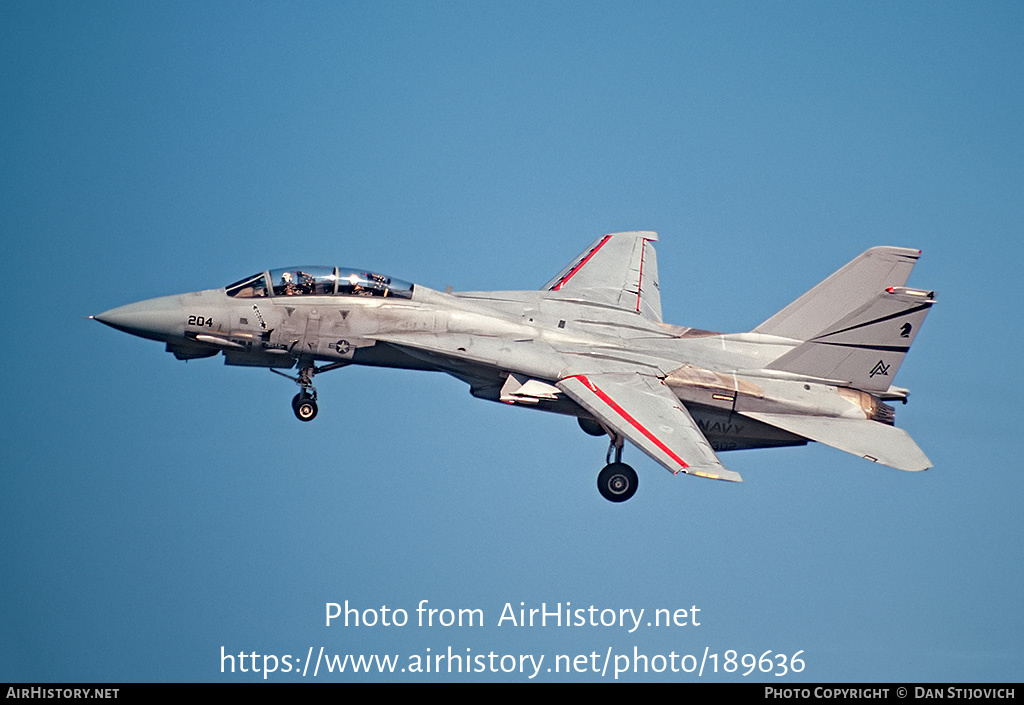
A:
(155, 511)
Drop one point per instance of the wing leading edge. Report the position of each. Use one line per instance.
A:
(618, 270)
(642, 409)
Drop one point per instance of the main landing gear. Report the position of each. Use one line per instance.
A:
(617, 482)
(304, 403)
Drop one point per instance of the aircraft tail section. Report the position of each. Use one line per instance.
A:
(866, 347)
(875, 441)
(618, 270)
(846, 290)
(857, 325)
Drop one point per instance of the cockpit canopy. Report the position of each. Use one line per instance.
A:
(318, 281)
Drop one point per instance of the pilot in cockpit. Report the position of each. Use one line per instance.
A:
(289, 288)
(307, 283)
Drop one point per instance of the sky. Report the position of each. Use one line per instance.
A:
(159, 516)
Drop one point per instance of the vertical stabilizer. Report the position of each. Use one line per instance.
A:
(847, 290)
(618, 270)
(866, 347)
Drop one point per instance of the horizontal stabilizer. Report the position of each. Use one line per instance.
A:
(875, 441)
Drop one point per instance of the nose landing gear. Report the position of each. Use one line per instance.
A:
(304, 406)
(304, 403)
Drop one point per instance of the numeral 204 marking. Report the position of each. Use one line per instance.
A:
(200, 321)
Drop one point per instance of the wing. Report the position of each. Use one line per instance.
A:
(645, 411)
(619, 270)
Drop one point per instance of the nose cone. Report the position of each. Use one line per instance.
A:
(156, 319)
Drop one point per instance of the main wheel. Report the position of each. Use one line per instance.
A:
(590, 426)
(617, 482)
(305, 407)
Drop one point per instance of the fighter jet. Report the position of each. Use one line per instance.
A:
(590, 343)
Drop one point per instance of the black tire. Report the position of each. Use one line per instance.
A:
(590, 426)
(304, 407)
(617, 482)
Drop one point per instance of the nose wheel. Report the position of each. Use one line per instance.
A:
(304, 403)
(304, 406)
